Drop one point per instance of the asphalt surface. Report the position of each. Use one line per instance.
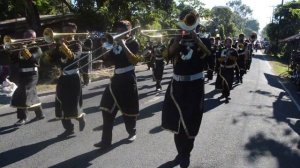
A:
(259, 128)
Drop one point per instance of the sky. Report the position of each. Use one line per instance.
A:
(262, 9)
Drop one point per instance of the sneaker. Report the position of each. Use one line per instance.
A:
(102, 145)
(81, 121)
(66, 133)
(132, 137)
(21, 122)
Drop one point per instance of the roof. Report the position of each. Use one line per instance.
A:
(45, 20)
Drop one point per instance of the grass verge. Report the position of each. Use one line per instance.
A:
(279, 66)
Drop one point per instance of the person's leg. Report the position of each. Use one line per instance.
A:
(158, 85)
(130, 124)
(81, 121)
(22, 116)
(69, 128)
(184, 146)
(108, 122)
(39, 113)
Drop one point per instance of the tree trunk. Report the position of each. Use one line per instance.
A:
(32, 16)
(69, 6)
(3, 9)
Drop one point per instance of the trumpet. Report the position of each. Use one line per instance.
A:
(106, 45)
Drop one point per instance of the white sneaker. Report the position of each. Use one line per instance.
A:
(132, 137)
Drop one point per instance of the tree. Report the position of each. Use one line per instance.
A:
(32, 16)
(221, 32)
(238, 7)
(252, 24)
(222, 15)
(286, 23)
(241, 15)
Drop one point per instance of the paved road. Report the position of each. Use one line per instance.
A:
(259, 128)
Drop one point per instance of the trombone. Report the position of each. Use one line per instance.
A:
(109, 45)
(167, 33)
(49, 35)
(8, 42)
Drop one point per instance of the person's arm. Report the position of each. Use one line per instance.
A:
(173, 47)
(201, 45)
(133, 58)
(71, 53)
(32, 55)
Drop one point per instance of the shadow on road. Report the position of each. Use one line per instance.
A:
(169, 164)
(85, 159)
(90, 110)
(210, 102)
(8, 129)
(156, 130)
(261, 146)
(273, 80)
(23, 152)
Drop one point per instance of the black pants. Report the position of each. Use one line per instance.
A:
(184, 145)
(248, 63)
(22, 113)
(239, 73)
(67, 124)
(108, 122)
(210, 74)
(158, 84)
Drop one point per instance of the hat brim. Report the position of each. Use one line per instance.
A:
(183, 26)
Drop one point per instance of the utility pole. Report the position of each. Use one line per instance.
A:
(278, 30)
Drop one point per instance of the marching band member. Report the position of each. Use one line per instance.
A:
(122, 93)
(68, 99)
(158, 66)
(25, 96)
(227, 61)
(183, 105)
(250, 45)
(87, 47)
(241, 47)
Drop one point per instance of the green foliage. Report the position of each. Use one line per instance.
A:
(252, 24)
(221, 32)
(241, 9)
(222, 19)
(286, 23)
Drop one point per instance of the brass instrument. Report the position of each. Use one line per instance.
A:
(49, 35)
(14, 44)
(240, 46)
(190, 21)
(165, 33)
(108, 45)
